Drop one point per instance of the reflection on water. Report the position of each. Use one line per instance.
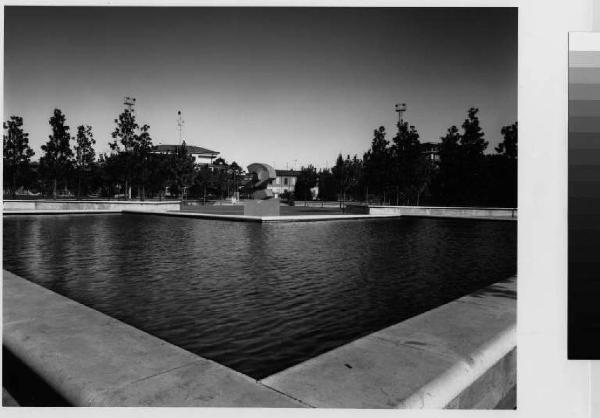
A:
(258, 298)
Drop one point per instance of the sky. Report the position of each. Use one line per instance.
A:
(283, 86)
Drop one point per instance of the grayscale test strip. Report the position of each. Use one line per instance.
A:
(584, 199)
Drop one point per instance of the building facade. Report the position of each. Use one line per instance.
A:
(202, 156)
(285, 181)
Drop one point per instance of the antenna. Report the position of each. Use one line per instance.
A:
(180, 123)
(400, 108)
(129, 102)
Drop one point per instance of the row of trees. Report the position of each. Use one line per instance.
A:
(398, 171)
(130, 170)
(457, 171)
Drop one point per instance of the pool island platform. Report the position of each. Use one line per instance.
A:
(459, 355)
(236, 212)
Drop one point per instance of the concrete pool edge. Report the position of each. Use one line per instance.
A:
(353, 211)
(88, 205)
(92, 359)
(459, 355)
(487, 213)
(62, 341)
(260, 219)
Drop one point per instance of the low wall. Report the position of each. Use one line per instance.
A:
(460, 355)
(433, 211)
(319, 203)
(41, 205)
(268, 207)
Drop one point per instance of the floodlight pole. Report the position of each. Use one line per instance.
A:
(400, 108)
(129, 103)
(180, 123)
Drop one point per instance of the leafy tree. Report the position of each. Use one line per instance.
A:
(17, 154)
(236, 173)
(347, 174)
(182, 171)
(409, 164)
(85, 155)
(57, 160)
(327, 187)
(142, 149)
(447, 182)
(306, 180)
(219, 162)
(125, 132)
(508, 147)
(472, 140)
(136, 143)
(377, 164)
(502, 168)
(472, 161)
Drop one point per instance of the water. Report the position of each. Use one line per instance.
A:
(258, 298)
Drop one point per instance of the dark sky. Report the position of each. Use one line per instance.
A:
(285, 86)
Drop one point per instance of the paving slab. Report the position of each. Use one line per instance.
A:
(200, 383)
(367, 373)
(89, 357)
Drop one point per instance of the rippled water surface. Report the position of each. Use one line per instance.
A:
(258, 298)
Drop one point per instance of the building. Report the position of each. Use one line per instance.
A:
(201, 155)
(431, 150)
(285, 181)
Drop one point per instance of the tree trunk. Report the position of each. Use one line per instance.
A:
(13, 192)
(54, 188)
(79, 186)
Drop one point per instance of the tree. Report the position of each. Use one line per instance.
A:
(409, 164)
(85, 155)
(327, 187)
(502, 168)
(472, 160)
(125, 132)
(236, 173)
(136, 144)
(17, 154)
(508, 147)
(447, 182)
(472, 140)
(306, 180)
(142, 149)
(377, 164)
(182, 171)
(57, 159)
(347, 174)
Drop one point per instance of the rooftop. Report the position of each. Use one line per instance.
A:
(287, 173)
(192, 149)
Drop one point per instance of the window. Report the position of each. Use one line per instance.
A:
(285, 181)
